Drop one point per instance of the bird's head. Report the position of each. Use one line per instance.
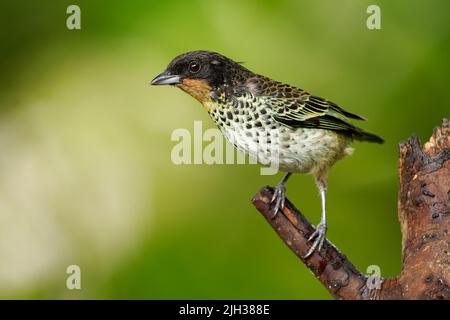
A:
(201, 73)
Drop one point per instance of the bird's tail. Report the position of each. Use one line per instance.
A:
(361, 135)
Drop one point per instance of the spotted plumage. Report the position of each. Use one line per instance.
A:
(270, 121)
(251, 126)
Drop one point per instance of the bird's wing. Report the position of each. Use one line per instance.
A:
(308, 107)
(295, 107)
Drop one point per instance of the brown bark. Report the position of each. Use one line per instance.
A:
(424, 215)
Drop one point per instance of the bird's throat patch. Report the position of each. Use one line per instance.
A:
(199, 89)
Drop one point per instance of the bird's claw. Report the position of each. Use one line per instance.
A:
(279, 198)
(319, 234)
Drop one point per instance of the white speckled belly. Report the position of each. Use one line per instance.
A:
(295, 150)
(251, 128)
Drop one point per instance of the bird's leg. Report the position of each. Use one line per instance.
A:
(279, 195)
(321, 228)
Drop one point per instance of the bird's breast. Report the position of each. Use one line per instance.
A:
(247, 124)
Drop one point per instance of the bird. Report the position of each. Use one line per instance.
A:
(270, 121)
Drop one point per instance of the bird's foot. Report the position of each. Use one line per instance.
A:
(278, 198)
(319, 235)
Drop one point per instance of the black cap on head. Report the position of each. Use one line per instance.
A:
(212, 67)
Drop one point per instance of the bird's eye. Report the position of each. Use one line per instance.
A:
(194, 67)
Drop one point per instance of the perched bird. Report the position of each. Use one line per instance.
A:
(259, 115)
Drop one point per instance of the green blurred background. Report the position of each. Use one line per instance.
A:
(85, 171)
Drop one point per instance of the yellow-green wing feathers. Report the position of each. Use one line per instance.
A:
(296, 108)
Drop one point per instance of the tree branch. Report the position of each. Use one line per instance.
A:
(424, 215)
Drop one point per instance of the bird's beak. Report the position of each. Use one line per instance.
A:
(165, 78)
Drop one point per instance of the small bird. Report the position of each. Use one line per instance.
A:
(259, 115)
